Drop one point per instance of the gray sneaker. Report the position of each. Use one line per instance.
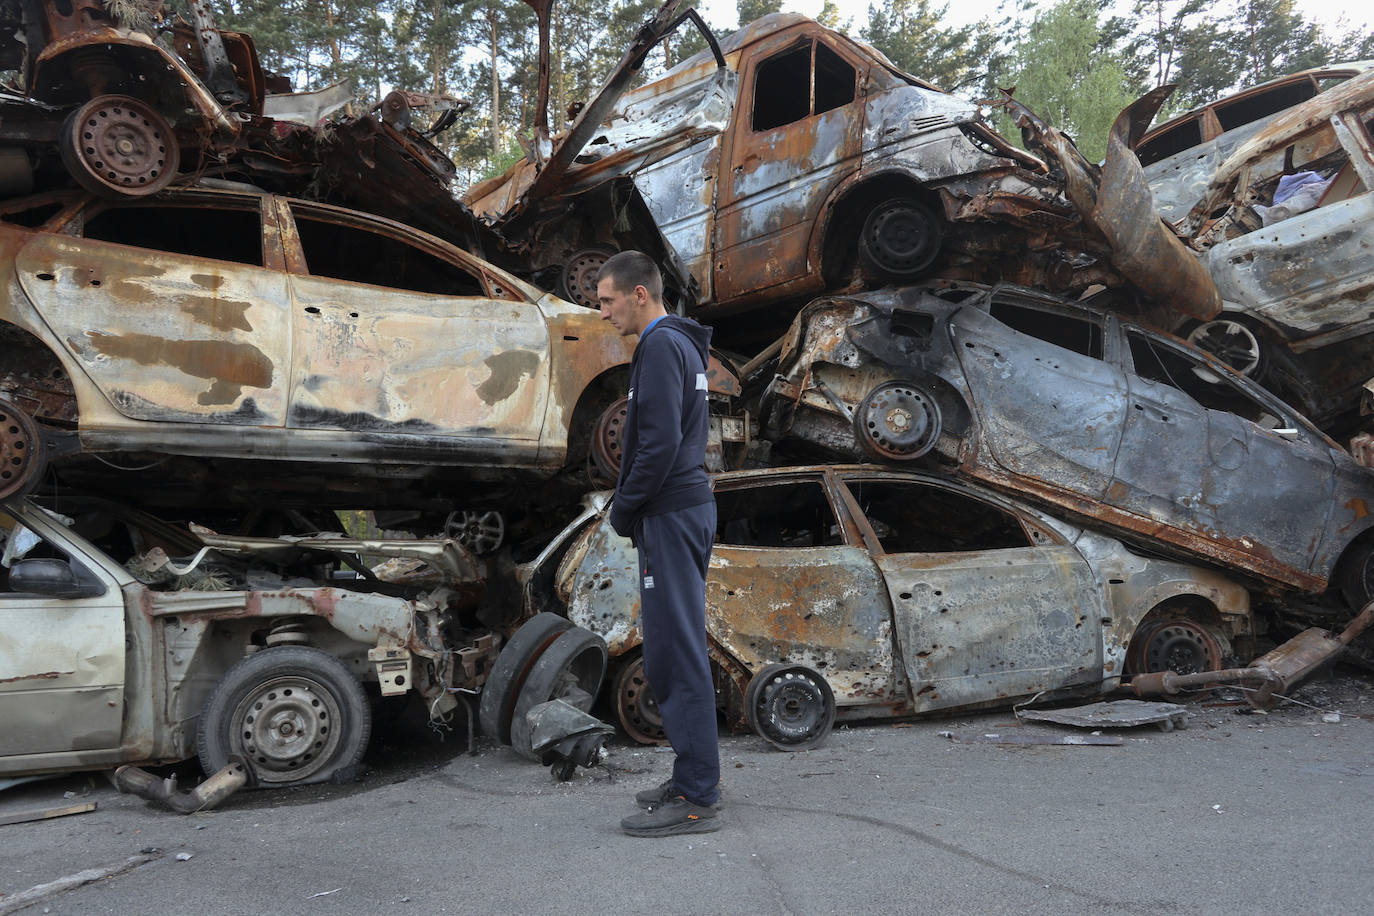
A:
(677, 815)
(658, 795)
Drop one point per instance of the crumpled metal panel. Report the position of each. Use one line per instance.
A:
(604, 594)
(1178, 181)
(1309, 274)
(1116, 201)
(457, 564)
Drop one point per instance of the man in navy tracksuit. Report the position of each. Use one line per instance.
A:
(663, 502)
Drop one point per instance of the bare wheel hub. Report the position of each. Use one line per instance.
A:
(21, 451)
(287, 728)
(608, 440)
(579, 276)
(118, 146)
(636, 706)
(481, 531)
(897, 421)
(1180, 646)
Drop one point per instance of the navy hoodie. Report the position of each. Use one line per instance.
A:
(663, 446)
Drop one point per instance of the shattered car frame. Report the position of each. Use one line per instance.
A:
(907, 593)
(216, 647)
(787, 160)
(1108, 421)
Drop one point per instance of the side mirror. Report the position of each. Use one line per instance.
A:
(51, 578)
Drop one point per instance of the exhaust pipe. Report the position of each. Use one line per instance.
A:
(210, 793)
(1274, 673)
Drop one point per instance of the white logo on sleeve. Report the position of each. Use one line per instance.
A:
(631, 395)
(648, 581)
(701, 381)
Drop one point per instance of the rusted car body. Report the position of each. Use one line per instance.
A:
(909, 593)
(115, 654)
(1180, 155)
(793, 160)
(1078, 409)
(242, 325)
(1292, 274)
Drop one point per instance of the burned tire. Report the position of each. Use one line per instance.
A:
(790, 706)
(512, 667)
(294, 714)
(900, 239)
(21, 452)
(572, 669)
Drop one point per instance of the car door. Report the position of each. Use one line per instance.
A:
(1230, 461)
(61, 659)
(986, 606)
(1269, 271)
(175, 308)
(1052, 408)
(786, 584)
(797, 133)
(397, 335)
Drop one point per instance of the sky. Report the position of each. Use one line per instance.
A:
(962, 12)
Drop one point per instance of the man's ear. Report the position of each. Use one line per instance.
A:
(641, 296)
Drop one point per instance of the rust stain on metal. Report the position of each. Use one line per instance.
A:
(231, 366)
(507, 369)
(46, 675)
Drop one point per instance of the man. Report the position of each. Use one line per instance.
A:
(663, 503)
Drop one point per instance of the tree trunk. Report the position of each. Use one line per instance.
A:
(495, 88)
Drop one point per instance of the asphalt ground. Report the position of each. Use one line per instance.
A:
(1237, 812)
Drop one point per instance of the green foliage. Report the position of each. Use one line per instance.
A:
(1065, 69)
(909, 32)
(749, 10)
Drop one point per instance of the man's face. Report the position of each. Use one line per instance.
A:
(622, 309)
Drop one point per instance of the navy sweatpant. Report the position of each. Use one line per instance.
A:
(674, 551)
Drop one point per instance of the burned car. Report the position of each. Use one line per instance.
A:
(1108, 421)
(784, 160)
(1280, 222)
(137, 642)
(277, 342)
(874, 592)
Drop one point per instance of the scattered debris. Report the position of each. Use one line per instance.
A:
(44, 814)
(18, 901)
(1114, 714)
(1029, 740)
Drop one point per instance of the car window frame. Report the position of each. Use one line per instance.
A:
(495, 285)
(851, 535)
(1112, 341)
(1038, 534)
(72, 221)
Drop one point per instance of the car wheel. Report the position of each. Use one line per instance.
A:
(21, 452)
(480, 530)
(577, 281)
(897, 421)
(607, 442)
(1234, 343)
(1355, 576)
(294, 714)
(117, 146)
(570, 669)
(636, 707)
(512, 667)
(790, 706)
(1179, 645)
(900, 239)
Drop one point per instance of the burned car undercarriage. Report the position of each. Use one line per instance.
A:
(286, 426)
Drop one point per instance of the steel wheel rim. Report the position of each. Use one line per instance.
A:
(289, 728)
(120, 145)
(579, 276)
(1181, 646)
(19, 451)
(791, 707)
(898, 422)
(636, 706)
(900, 238)
(608, 439)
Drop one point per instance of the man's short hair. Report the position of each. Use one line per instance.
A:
(629, 269)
